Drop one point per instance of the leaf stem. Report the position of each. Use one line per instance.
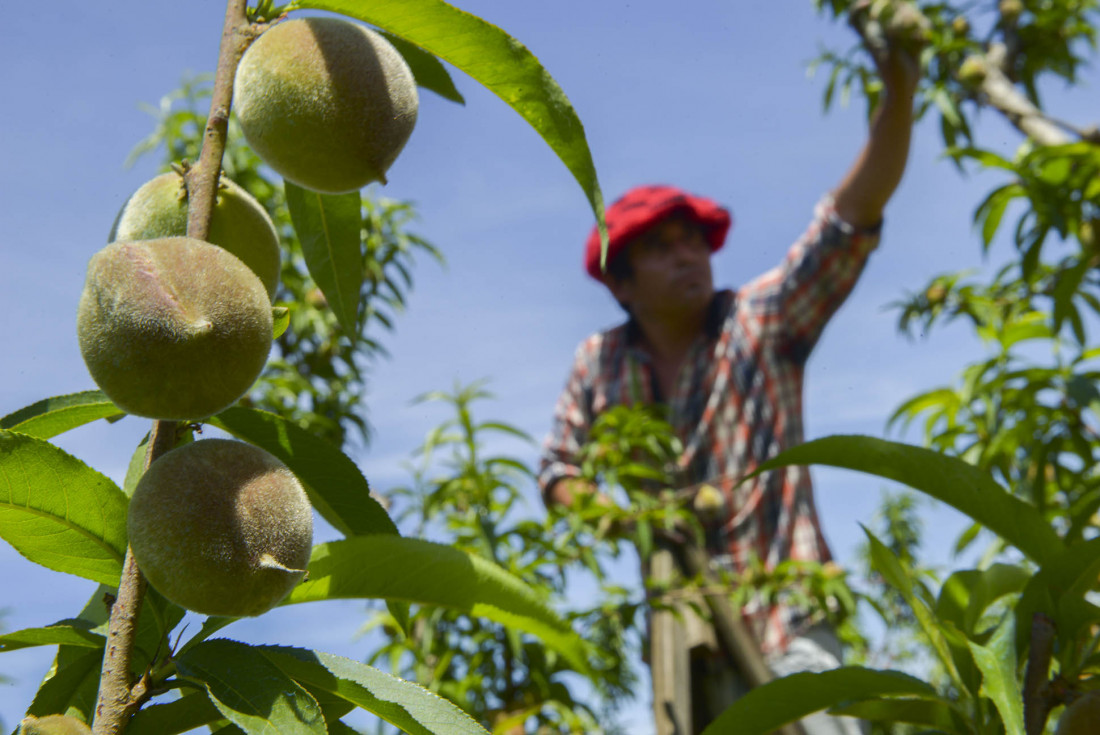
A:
(119, 697)
(1037, 700)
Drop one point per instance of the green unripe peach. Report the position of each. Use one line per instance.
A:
(1010, 9)
(326, 103)
(239, 224)
(173, 328)
(53, 725)
(1082, 717)
(973, 70)
(709, 503)
(1088, 233)
(221, 527)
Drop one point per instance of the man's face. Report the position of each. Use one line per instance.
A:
(671, 274)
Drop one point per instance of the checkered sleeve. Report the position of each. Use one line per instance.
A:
(795, 300)
(572, 422)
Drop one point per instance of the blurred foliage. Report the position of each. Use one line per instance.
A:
(1027, 411)
(317, 375)
(467, 495)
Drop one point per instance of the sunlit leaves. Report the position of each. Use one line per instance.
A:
(250, 691)
(997, 661)
(785, 700)
(411, 570)
(948, 479)
(72, 633)
(52, 416)
(328, 229)
(398, 702)
(58, 512)
(428, 71)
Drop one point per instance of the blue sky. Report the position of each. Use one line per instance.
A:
(711, 96)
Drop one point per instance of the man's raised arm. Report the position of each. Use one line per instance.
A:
(869, 184)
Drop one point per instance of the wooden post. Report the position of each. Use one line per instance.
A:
(670, 662)
(670, 667)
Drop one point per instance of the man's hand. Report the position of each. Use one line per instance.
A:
(894, 33)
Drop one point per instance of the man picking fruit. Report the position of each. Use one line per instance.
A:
(728, 366)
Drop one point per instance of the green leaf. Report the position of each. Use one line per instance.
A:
(991, 211)
(427, 70)
(338, 727)
(411, 570)
(1027, 327)
(58, 512)
(250, 691)
(52, 416)
(896, 575)
(336, 487)
(328, 227)
(496, 60)
(136, 467)
(71, 687)
(793, 697)
(1066, 286)
(953, 481)
(407, 706)
(157, 619)
(280, 319)
(66, 632)
(997, 662)
(190, 711)
(928, 712)
(1058, 590)
(968, 593)
(989, 159)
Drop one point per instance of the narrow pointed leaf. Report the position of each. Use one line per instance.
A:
(411, 570)
(182, 715)
(793, 697)
(427, 69)
(336, 487)
(890, 567)
(52, 416)
(953, 481)
(250, 691)
(407, 706)
(328, 227)
(496, 60)
(58, 512)
(997, 662)
(66, 632)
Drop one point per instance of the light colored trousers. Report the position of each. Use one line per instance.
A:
(694, 682)
(816, 650)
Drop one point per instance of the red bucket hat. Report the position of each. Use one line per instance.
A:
(644, 206)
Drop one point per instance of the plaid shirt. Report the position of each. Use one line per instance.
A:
(737, 402)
